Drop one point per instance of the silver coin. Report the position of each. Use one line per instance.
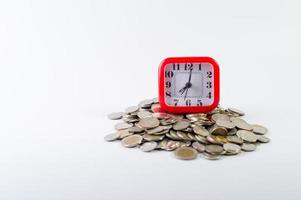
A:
(212, 139)
(248, 147)
(240, 123)
(123, 125)
(247, 135)
(214, 149)
(212, 156)
(155, 130)
(225, 124)
(232, 148)
(180, 125)
(124, 133)
(149, 123)
(233, 131)
(234, 139)
(148, 146)
(144, 114)
(219, 116)
(112, 137)
(198, 146)
(181, 135)
(115, 116)
(201, 131)
(237, 111)
(131, 109)
(201, 139)
(258, 129)
(186, 153)
(135, 129)
(151, 138)
(131, 141)
(263, 139)
(146, 103)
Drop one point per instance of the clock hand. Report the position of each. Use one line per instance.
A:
(188, 84)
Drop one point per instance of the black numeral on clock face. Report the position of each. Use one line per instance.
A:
(176, 67)
(169, 74)
(209, 95)
(188, 102)
(199, 102)
(188, 66)
(209, 74)
(168, 94)
(176, 101)
(168, 84)
(209, 84)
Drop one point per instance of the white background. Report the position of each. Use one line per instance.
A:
(65, 65)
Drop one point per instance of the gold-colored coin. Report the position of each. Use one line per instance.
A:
(186, 153)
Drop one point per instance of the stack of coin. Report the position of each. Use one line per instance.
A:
(219, 133)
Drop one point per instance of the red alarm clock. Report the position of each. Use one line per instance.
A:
(189, 84)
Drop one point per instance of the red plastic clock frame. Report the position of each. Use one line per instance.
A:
(188, 109)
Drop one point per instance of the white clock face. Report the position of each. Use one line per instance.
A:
(189, 84)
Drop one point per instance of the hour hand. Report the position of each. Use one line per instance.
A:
(183, 89)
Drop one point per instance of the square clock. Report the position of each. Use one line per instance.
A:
(189, 84)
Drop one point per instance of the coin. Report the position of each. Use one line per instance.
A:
(155, 130)
(149, 122)
(200, 131)
(240, 123)
(217, 130)
(149, 137)
(225, 124)
(258, 129)
(232, 148)
(248, 147)
(219, 116)
(237, 111)
(148, 146)
(135, 129)
(146, 103)
(214, 149)
(247, 135)
(112, 137)
(234, 139)
(131, 141)
(198, 146)
(180, 125)
(186, 153)
(124, 133)
(123, 125)
(212, 156)
(213, 134)
(263, 139)
(131, 109)
(115, 116)
(144, 114)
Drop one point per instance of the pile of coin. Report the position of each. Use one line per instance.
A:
(221, 132)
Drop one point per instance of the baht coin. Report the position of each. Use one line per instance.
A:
(123, 125)
(237, 111)
(232, 148)
(112, 137)
(234, 139)
(149, 123)
(247, 136)
(148, 146)
(116, 116)
(212, 156)
(198, 146)
(131, 141)
(200, 130)
(263, 139)
(186, 153)
(258, 129)
(131, 109)
(214, 149)
(144, 114)
(180, 125)
(225, 123)
(248, 147)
